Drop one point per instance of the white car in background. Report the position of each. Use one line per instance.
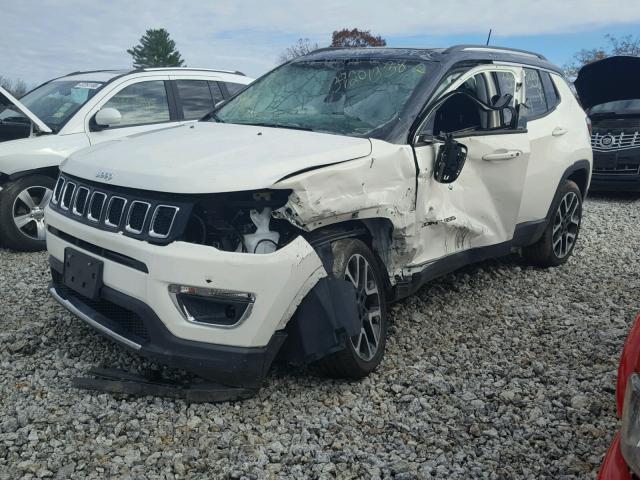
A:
(81, 109)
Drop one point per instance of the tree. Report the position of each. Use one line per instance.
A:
(625, 45)
(156, 49)
(17, 88)
(356, 38)
(301, 47)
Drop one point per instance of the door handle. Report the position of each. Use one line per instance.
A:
(508, 155)
(558, 131)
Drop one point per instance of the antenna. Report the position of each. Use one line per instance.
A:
(489, 37)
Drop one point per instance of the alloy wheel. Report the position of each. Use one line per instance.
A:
(28, 211)
(360, 273)
(566, 224)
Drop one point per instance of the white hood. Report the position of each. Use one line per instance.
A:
(208, 157)
(7, 99)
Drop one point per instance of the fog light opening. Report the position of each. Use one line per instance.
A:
(211, 306)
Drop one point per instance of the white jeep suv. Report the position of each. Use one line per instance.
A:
(86, 108)
(343, 180)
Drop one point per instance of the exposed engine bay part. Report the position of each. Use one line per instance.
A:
(240, 222)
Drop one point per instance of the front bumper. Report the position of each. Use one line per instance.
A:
(136, 278)
(614, 183)
(135, 325)
(614, 466)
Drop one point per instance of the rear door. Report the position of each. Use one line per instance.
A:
(195, 97)
(145, 104)
(480, 208)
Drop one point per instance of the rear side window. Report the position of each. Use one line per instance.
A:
(550, 91)
(535, 103)
(216, 91)
(506, 83)
(195, 98)
(141, 103)
(234, 88)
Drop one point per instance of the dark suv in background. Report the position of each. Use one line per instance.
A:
(609, 91)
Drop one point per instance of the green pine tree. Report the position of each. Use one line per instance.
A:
(156, 49)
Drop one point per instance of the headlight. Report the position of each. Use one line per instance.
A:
(630, 432)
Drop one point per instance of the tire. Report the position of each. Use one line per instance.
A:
(22, 212)
(364, 352)
(559, 238)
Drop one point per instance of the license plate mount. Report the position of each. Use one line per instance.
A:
(82, 273)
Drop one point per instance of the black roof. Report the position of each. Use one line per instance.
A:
(451, 55)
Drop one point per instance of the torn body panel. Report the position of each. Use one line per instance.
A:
(479, 209)
(379, 186)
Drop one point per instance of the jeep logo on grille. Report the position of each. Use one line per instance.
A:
(103, 175)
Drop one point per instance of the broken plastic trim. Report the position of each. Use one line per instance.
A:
(120, 381)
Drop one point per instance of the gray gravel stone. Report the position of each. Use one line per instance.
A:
(500, 370)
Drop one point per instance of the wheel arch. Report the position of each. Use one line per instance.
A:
(51, 172)
(376, 233)
(580, 173)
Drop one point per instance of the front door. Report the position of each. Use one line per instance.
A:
(480, 208)
(144, 105)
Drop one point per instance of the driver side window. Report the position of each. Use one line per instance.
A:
(460, 113)
(141, 103)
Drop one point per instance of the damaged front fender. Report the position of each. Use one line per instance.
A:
(379, 186)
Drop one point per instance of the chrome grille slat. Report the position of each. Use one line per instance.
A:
(115, 211)
(136, 225)
(57, 190)
(80, 204)
(96, 206)
(67, 195)
(618, 141)
(162, 220)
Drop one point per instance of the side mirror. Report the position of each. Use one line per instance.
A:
(449, 161)
(108, 117)
(501, 102)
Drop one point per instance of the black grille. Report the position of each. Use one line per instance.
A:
(69, 189)
(97, 204)
(115, 211)
(126, 322)
(163, 218)
(80, 206)
(137, 216)
(158, 218)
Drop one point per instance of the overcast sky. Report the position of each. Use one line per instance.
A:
(47, 38)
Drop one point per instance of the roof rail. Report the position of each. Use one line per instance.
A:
(490, 48)
(79, 72)
(154, 69)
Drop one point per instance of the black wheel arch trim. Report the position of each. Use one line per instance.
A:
(580, 165)
(51, 171)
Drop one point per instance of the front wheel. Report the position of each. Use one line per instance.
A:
(22, 204)
(559, 238)
(363, 352)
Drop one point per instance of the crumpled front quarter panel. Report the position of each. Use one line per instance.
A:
(381, 185)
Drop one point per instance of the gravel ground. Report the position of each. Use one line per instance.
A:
(497, 371)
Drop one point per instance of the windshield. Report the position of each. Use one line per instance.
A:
(53, 103)
(619, 107)
(347, 97)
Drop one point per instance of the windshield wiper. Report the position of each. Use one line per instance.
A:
(279, 125)
(210, 115)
